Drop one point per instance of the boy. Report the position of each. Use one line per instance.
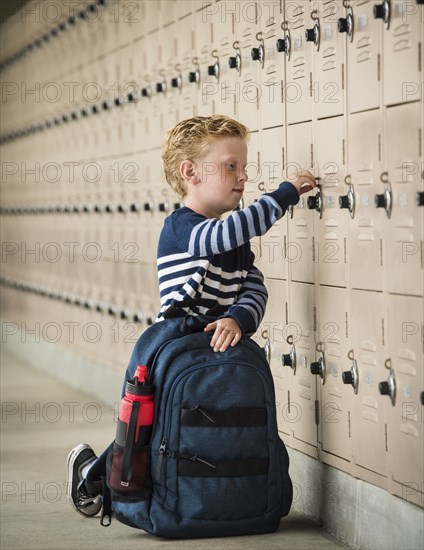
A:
(205, 265)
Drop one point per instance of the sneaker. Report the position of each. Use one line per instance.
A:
(79, 458)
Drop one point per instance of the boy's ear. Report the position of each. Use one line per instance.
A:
(188, 171)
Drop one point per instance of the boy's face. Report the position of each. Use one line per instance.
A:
(223, 176)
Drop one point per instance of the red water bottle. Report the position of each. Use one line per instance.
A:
(135, 420)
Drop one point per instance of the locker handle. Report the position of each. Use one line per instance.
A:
(314, 35)
(351, 376)
(348, 201)
(382, 11)
(384, 200)
(388, 387)
(347, 24)
(289, 359)
(318, 368)
(420, 198)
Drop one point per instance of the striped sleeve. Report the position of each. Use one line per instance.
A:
(214, 236)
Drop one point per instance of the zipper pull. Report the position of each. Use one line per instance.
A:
(162, 452)
(201, 411)
(196, 458)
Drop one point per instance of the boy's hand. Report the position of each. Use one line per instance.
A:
(227, 331)
(303, 180)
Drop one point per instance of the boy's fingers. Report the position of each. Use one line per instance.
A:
(209, 327)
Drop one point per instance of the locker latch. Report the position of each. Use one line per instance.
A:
(289, 359)
(384, 200)
(213, 70)
(388, 387)
(348, 201)
(258, 54)
(351, 376)
(161, 87)
(194, 76)
(234, 62)
(284, 45)
(382, 11)
(420, 198)
(345, 24)
(318, 368)
(314, 202)
(177, 82)
(314, 35)
(146, 92)
(164, 206)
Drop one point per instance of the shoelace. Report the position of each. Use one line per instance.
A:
(84, 499)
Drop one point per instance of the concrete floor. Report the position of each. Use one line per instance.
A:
(42, 419)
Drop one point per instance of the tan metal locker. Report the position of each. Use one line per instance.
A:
(169, 9)
(170, 94)
(403, 231)
(364, 366)
(405, 430)
(363, 45)
(365, 228)
(253, 188)
(297, 89)
(222, 20)
(271, 106)
(302, 388)
(274, 262)
(300, 243)
(273, 332)
(335, 399)
(189, 69)
(330, 225)
(156, 102)
(248, 85)
(328, 61)
(208, 61)
(402, 66)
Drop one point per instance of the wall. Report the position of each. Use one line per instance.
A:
(88, 92)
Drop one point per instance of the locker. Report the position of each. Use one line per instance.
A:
(273, 332)
(330, 229)
(208, 60)
(370, 413)
(365, 229)
(253, 188)
(302, 386)
(170, 93)
(229, 88)
(249, 85)
(190, 71)
(273, 243)
(168, 11)
(402, 63)
(335, 398)
(363, 45)
(301, 224)
(328, 62)
(404, 229)
(405, 431)
(155, 72)
(271, 107)
(297, 88)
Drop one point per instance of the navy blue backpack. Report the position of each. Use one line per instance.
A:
(216, 465)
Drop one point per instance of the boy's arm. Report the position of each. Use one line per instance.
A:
(249, 309)
(216, 236)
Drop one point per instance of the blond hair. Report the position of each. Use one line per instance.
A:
(190, 139)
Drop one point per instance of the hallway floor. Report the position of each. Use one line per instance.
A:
(42, 419)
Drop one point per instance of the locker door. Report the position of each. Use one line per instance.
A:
(168, 11)
(253, 188)
(369, 412)
(363, 58)
(330, 231)
(249, 79)
(273, 243)
(297, 88)
(302, 397)
(208, 62)
(156, 101)
(189, 68)
(271, 107)
(328, 62)
(365, 228)
(404, 230)
(402, 66)
(300, 227)
(229, 89)
(405, 322)
(334, 397)
(170, 93)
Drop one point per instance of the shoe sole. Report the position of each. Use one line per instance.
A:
(73, 454)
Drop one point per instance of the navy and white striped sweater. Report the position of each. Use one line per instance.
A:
(209, 259)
